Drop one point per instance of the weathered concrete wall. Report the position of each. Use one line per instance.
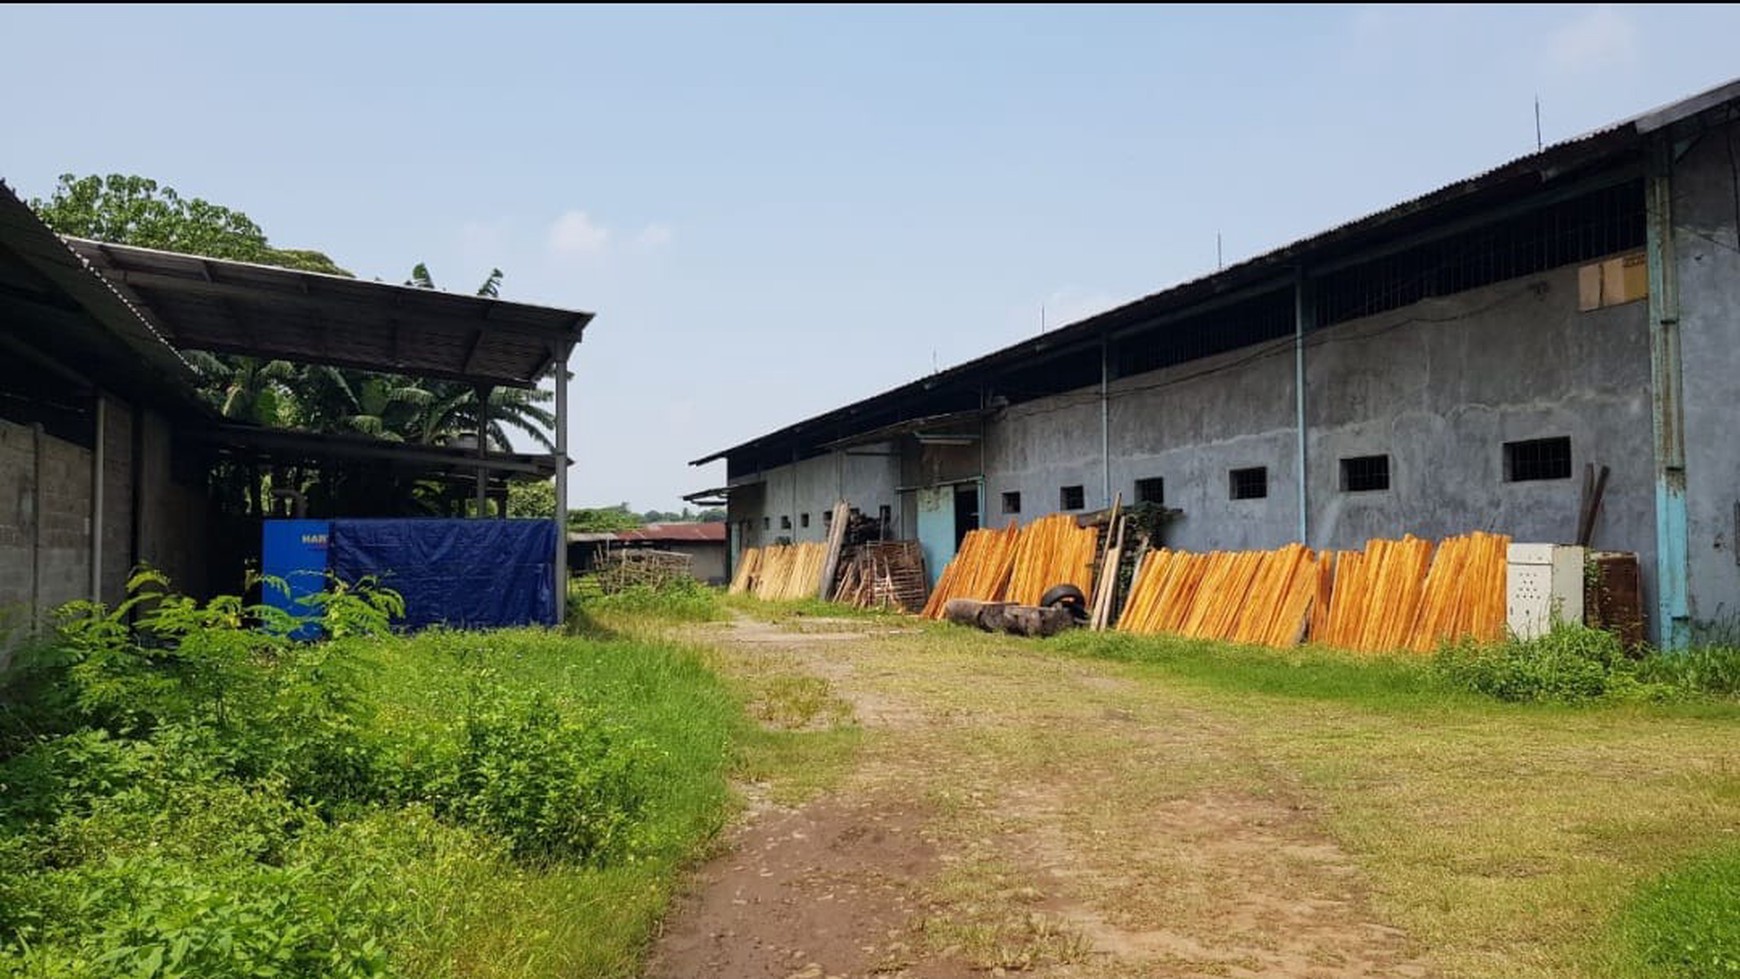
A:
(1190, 425)
(1440, 386)
(865, 476)
(1707, 247)
(45, 536)
(46, 494)
(173, 517)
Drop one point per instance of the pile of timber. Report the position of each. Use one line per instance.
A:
(979, 570)
(1018, 564)
(883, 575)
(782, 572)
(748, 570)
(1395, 595)
(1245, 596)
(1402, 595)
(1053, 550)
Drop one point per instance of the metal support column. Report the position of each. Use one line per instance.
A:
(1105, 425)
(482, 392)
(1304, 320)
(1672, 618)
(99, 458)
(562, 484)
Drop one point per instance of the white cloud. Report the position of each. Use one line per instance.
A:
(653, 236)
(1603, 37)
(575, 234)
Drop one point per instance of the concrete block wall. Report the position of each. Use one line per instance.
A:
(1441, 385)
(865, 476)
(1707, 246)
(46, 493)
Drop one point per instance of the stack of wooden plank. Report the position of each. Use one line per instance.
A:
(1053, 550)
(1394, 595)
(748, 570)
(885, 575)
(781, 573)
(1376, 595)
(980, 569)
(1249, 596)
(1464, 595)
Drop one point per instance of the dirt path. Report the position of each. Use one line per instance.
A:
(1015, 812)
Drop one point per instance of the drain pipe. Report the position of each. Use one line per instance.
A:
(98, 461)
(1105, 426)
(1304, 315)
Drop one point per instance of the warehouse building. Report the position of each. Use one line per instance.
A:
(1449, 364)
(108, 453)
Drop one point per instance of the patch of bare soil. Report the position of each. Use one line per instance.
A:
(826, 890)
(1013, 813)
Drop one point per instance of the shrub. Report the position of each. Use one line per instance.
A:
(1706, 669)
(554, 787)
(194, 794)
(1569, 664)
(684, 600)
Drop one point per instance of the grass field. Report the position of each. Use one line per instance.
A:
(1503, 839)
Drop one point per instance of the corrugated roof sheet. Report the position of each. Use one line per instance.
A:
(676, 532)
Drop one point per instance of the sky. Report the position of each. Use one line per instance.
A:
(777, 211)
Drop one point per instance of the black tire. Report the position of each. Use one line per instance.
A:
(1065, 595)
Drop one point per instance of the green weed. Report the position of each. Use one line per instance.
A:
(1686, 923)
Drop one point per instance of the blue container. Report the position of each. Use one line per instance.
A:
(295, 551)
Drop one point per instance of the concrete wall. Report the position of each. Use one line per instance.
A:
(1190, 425)
(45, 545)
(1440, 386)
(707, 560)
(1705, 200)
(865, 476)
(46, 517)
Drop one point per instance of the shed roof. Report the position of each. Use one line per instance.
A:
(81, 320)
(260, 310)
(711, 532)
(1505, 184)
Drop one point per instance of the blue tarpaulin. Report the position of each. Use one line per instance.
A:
(470, 574)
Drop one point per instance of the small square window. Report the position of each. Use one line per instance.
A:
(803, 519)
(1537, 459)
(827, 518)
(766, 523)
(1249, 484)
(1071, 498)
(1151, 490)
(785, 522)
(884, 513)
(1363, 474)
(1011, 502)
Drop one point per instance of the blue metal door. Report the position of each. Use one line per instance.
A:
(936, 529)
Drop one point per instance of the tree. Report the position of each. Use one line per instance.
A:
(532, 499)
(133, 210)
(603, 520)
(450, 413)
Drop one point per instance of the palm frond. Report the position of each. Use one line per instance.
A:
(491, 288)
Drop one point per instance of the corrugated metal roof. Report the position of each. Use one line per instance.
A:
(1530, 170)
(713, 532)
(227, 306)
